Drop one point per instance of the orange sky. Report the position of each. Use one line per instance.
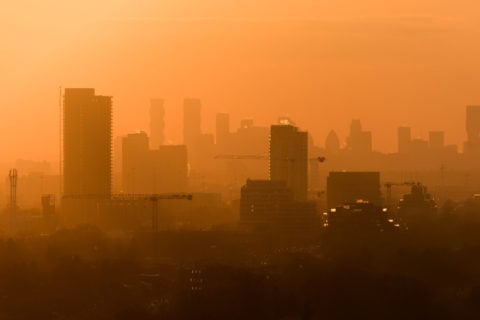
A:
(322, 62)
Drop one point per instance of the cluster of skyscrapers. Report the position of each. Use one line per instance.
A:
(275, 169)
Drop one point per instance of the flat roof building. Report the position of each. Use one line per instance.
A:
(87, 143)
(349, 187)
(289, 158)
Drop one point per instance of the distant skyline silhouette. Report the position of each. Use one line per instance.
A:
(322, 64)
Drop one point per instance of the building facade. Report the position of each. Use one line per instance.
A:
(157, 123)
(289, 158)
(87, 143)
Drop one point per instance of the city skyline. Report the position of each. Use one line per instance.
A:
(214, 159)
(174, 136)
(396, 61)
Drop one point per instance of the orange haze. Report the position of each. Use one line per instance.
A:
(322, 62)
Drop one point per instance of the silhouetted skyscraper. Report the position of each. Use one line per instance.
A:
(332, 143)
(473, 130)
(359, 140)
(162, 170)
(289, 158)
(192, 121)
(135, 163)
(404, 140)
(157, 123)
(87, 142)
(170, 169)
(222, 129)
(473, 123)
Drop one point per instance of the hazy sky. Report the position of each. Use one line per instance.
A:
(322, 62)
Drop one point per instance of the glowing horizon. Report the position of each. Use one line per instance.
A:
(321, 63)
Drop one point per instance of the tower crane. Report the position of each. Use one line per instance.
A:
(153, 198)
(260, 157)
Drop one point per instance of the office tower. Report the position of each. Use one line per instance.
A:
(117, 164)
(157, 123)
(192, 121)
(289, 158)
(404, 140)
(163, 170)
(87, 142)
(169, 170)
(359, 141)
(222, 129)
(436, 140)
(332, 143)
(348, 187)
(472, 145)
(135, 162)
(473, 123)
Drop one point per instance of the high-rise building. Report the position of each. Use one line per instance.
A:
(404, 140)
(359, 141)
(169, 169)
(222, 129)
(87, 143)
(157, 123)
(436, 140)
(192, 121)
(163, 170)
(135, 163)
(473, 123)
(332, 143)
(289, 158)
(472, 145)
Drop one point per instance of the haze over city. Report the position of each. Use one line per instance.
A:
(181, 159)
(319, 62)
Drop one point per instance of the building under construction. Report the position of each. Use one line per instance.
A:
(87, 141)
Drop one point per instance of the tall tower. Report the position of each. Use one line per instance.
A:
(157, 123)
(473, 123)
(289, 158)
(87, 143)
(473, 129)
(359, 141)
(135, 163)
(192, 121)
(332, 143)
(404, 140)
(222, 129)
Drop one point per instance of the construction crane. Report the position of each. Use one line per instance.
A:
(260, 157)
(153, 198)
(389, 185)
